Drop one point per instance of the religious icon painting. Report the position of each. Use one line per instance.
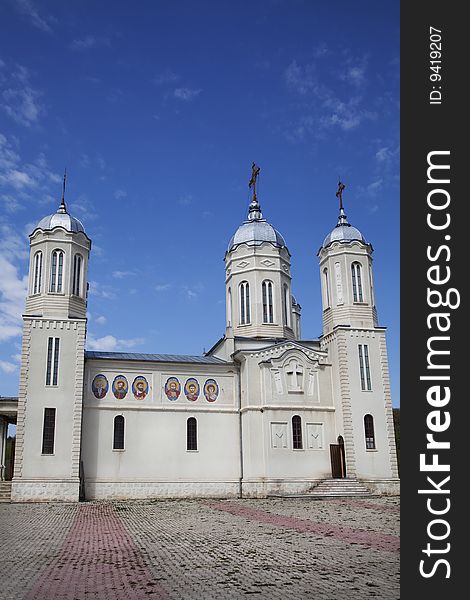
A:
(172, 388)
(100, 386)
(140, 387)
(120, 387)
(211, 390)
(191, 389)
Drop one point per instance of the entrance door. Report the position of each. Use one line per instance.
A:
(338, 462)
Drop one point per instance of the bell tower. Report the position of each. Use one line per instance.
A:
(52, 363)
(258, 279)
(357, 350)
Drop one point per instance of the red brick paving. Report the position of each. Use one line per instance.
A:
(98, 560)
(378, 541)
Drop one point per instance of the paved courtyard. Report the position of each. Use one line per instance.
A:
(277, 548)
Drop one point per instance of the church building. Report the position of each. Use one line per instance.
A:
(264, 411)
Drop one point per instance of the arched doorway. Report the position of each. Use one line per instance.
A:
(338, 459)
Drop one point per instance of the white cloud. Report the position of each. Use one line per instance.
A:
(163, 287)
(19, 99)
(103, 291)
(8, 367)
(122, 274)
(185, 200)
(109, 343)
(166, 77)
(27, 8)
(186, 94)
(13, 290)
(120, 194)
(101, 320)
(89, 41)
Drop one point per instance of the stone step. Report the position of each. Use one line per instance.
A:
(5, 491)
(337, 488)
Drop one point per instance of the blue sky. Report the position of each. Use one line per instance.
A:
(157, 110)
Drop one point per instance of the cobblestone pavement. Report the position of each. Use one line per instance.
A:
(275, 548)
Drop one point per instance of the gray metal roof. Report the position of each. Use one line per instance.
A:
(61, 218)
(256, 230)
(343, 232)
(173, 358)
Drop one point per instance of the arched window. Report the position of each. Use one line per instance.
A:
(327, 288)
(37, 273)
(369, 432)
(191, 434)
(356, 282)
(118, 438)
(57, 268)
(268, 311)
(77, 273)
(245, 316)
(286, 307)
(297, 432)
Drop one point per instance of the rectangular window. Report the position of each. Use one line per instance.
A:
(364, 367)
(118, 436)
(48, 431)
(52, 369)
(191, 434)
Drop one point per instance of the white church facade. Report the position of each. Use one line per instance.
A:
(263, 411)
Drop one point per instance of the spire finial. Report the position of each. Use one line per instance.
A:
(62, 207)
(254, 211)
(254, 176)
(339, 193)
(342, 219)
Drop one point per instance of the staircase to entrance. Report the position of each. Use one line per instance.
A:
(5, 491)
(339, 488)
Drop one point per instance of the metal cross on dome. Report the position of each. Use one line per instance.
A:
(254, 176)
(339, 194)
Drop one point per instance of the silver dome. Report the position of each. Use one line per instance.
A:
(61, 219)
(256, 230)
(344, 233)
(254, 233)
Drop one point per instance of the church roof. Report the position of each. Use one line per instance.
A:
(175, 358)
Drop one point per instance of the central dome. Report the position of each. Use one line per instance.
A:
(256, 230)
(61, 218)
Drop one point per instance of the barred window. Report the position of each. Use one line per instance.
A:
(268, 311)
(57, 268)
(118, 437)
(369, 432)
(52, 367)
(297, 433)
(356, 282)
(245, 316)
(364, 367)
(37, 273)
(191, 434)
(48, 431)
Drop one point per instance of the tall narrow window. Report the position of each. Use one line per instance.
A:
(327, 288)
(48, 431)
(364, 367)
(57, 268)
(52, 368)
(267, 292)
(369, 432)
(37, 273)
(77, 271)
(297, 432)
(245, 316)
(191, 434)
(229, 307)
(118, 437)
(286, 306)
(356, 282)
